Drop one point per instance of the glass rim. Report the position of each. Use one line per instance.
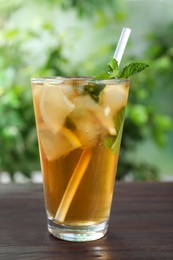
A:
(55, 79)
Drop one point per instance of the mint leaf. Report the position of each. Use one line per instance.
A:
(116, 144)
(113, 69)
(112, 65)
(69, 123)
(108, 141)
(119, 122)
(113, 142)
(133, 68)
(102, 76)
(94, 90)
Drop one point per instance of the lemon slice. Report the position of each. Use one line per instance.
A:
(54, 107)
(72, 138)
(60, 144)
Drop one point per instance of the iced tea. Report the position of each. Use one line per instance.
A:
(79, 127)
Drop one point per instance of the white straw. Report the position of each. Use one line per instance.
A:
(122, 44)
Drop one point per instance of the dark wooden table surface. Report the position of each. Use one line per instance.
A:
(141, 225)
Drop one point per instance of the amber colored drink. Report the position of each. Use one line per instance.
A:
(79, 127)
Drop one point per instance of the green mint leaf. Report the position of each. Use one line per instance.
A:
(114, 74)
(119, 122)
(113, 142)
(133, 68)
(69, 123)
(102, 76)
(94, 90)
(113, 68)
(116, 144)
(112, 65)
(108, 141)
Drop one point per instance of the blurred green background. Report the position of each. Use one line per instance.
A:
(74, 37)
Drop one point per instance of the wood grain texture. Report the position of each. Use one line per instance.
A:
(141, 225)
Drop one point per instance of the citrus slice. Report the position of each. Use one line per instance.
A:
(54, 107)
(59, 144)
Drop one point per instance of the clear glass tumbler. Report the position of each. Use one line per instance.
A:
(79, 127)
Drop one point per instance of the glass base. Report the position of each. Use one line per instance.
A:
(78, 233)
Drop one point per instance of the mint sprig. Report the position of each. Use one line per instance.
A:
(115, 72)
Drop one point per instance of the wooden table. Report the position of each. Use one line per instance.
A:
(141, 225)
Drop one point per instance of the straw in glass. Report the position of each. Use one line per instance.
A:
(87, 153)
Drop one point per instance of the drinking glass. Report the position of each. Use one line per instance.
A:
(79, 125)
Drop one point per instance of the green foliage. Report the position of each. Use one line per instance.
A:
(89, 7)
(17, 128)
(41, 50)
